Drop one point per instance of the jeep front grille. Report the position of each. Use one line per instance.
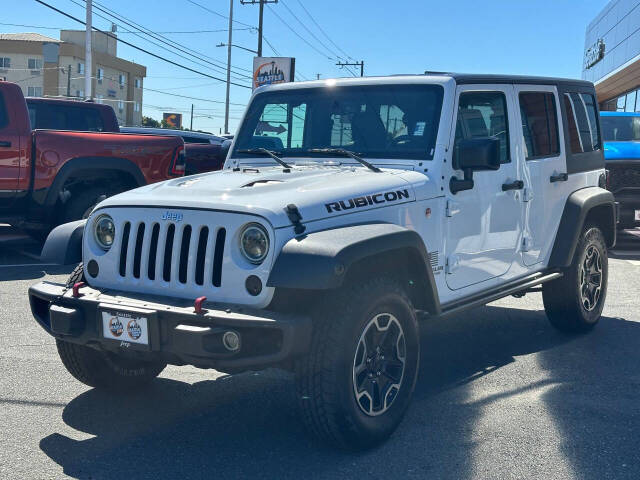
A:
(172, 253)
(623, 174)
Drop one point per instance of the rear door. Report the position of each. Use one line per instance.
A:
(10, 158)
(542, 141)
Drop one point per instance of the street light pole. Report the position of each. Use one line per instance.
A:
(87, 53)
(226, 103)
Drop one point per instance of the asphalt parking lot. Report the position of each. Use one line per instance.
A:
(501, 395)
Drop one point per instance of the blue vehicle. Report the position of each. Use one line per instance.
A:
(621, 135)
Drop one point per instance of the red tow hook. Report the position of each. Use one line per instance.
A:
(197, 305)
(76, 289)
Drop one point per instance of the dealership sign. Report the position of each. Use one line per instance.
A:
(173, 120)
(271, 70)
(594, 54)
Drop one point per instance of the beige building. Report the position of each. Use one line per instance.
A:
(44, 66)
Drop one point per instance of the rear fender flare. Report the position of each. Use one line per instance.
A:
(577, 209)
(77, 165)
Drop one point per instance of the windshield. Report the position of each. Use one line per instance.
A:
(620, 129)
(378, 121)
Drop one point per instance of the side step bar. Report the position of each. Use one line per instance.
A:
(489, 296)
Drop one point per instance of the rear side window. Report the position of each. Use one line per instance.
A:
(481, 115)
(63, 117)
(539, 124)
(4, 115)
(582, 122)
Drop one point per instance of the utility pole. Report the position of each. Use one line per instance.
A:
(261, 14)
(69, 81)
(354, 64)
(226, 103)
(191, 127)
(87, 49)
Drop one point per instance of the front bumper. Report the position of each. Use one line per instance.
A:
(177, 335)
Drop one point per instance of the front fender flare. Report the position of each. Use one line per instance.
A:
(64, 244)
(321, 260)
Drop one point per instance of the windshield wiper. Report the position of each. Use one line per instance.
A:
(264, 151)
(345, 153)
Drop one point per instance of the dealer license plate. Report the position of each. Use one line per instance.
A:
(125, 327)
(637, 215)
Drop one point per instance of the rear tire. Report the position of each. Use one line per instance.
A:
(356, 382)
(574, 303)
(80, 205)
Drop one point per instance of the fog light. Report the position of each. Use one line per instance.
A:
(92, 268)
(231, 341)
(253, 285)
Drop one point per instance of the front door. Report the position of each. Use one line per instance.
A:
(484, 222)
(9, 154)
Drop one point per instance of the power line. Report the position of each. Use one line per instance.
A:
(226, 17)
(297, 34)
(164, 40)
(305, 27)
(190, 98)
(323, 32)
(126, 31)
(169, 41)
(139, 48)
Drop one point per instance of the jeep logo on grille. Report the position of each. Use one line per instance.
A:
(172, 216)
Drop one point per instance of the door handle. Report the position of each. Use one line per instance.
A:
(4, 143)
(561, 177)
(517, 185)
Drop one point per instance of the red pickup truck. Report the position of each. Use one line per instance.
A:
(48, 177)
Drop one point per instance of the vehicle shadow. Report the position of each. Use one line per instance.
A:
(247, 425)
(32, 272)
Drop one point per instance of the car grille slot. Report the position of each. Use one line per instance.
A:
(623, 175)
(168, 253)
(217, 258)
(124, 246)
(138, 251)
(180, 254)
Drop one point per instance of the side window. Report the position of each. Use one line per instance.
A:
(32, 116)
(539, 124)
(484, 114)
(4, 116)
(582, 122)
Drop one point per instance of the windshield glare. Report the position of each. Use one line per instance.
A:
(381, 121)
(620, 129)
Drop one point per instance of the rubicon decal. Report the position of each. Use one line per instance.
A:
(367, 200)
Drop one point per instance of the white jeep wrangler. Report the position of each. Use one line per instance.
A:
(348, 210)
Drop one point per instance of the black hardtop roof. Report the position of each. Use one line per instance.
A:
(465, 78)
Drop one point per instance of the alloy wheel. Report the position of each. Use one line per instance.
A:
(379, 364)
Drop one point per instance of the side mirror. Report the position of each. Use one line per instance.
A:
(478, 154)
(474, 154)
(224, 151)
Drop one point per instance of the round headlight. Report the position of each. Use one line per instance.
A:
(104, 231)
(254, 242)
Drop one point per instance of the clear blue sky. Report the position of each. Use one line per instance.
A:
(539, 37)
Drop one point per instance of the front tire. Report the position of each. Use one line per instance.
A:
(104, 369)
(574, 303)
(355, 384)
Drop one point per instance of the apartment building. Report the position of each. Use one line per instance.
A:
(45, 66)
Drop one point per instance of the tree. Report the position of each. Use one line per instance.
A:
(150, 122)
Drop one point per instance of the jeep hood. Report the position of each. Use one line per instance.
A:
(317, 191)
